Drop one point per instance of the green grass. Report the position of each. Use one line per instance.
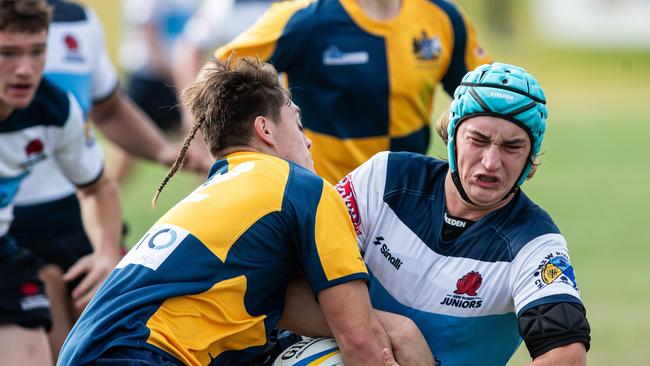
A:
(593, 180)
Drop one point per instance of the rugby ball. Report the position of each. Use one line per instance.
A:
(311, 351)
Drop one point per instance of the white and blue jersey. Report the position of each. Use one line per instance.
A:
(465, 294)
(51, 128)
(76, 61)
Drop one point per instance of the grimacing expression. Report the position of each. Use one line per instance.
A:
(22, 59)
(291, 142)
(491, 155)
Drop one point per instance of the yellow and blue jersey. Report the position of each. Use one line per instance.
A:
(206, 284)
(363, 85)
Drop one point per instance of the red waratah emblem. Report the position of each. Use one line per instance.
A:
(346, 190)
(29, 289)
(71, 43)
(34, 147)
(469, 283)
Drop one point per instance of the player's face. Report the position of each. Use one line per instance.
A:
(291, 142)
(491, 155)
(22, 58)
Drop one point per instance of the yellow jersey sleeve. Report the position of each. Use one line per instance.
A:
(275, 26)
(325, 238)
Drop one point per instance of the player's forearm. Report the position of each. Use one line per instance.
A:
(573, 354)
(102, 216)
(348, 312)
(122, 122)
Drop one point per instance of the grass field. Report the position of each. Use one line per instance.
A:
(593, 180)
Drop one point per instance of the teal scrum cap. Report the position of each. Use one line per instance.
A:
(504, 91)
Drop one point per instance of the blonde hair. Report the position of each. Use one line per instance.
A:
(441, 126)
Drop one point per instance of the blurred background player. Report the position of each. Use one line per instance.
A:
(77, 61)
(363, 71)
(214, 24)
(150, 34)
(40, 122)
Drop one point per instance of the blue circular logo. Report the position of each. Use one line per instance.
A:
(171, 239)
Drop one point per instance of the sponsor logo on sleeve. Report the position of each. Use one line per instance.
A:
(465, 296)
(346, 190)
(72, 51)
(555, 268)
(155, 247)
(89, 136)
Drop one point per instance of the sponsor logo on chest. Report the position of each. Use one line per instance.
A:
(334, 56)
(465, 296)
(426, 48)
(384, 249)
(34, 152)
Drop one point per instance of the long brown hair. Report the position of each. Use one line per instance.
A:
(224, 102)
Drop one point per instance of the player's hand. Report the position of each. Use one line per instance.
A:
(96, 267)
(389, 360)
(167, 156)
(197, 158)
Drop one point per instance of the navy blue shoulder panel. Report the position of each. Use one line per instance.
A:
(415, 192)
(67, 12)
(50, 107)
(457, 68)
(412, 173)
(294, 35)
(302, 194)
(524, 222)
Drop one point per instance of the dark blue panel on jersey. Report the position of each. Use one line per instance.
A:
(301, 198)
(131, 295)
(550, 300)
(457, 340)
(417, 142)
(218, 167)
(66, 220)
(50, 107)
(415, 192)
(332, 62)
(67, 12)
(457, 68)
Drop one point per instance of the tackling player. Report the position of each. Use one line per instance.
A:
(206, 284)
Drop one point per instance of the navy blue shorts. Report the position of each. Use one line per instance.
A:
(22, 295)
(157, 99)
(52, 231)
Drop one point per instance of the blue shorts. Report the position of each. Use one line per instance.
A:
(157, 99)
(22, 295)
(52, 231)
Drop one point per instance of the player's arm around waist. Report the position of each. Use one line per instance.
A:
(348, 312)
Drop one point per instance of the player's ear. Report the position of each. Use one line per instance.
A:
(532, 171)
(263, 129)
